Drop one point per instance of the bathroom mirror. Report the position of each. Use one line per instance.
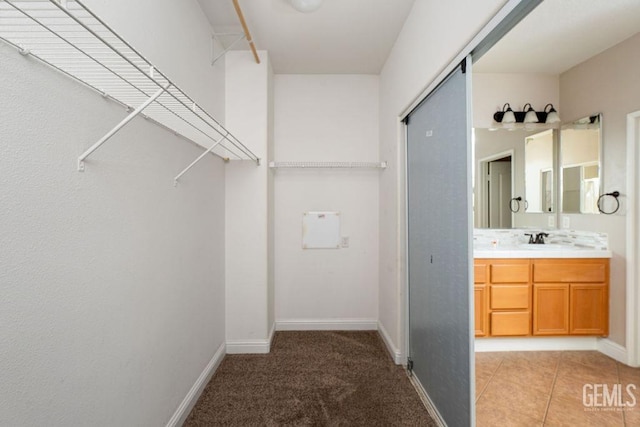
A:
(580, 165)
(538, 172)
(501, 161)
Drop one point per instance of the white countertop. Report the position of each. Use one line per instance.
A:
(539, 251)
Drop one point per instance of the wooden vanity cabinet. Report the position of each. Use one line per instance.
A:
(541, 297)
(503, 297)
(571, 296)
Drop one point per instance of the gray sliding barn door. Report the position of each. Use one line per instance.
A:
(439, 245)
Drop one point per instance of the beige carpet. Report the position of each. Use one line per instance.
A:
(312, 379)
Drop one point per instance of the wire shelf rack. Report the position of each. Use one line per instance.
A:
(328, 165)
(70, 38)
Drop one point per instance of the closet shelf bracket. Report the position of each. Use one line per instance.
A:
(200, 157)
(240, 36)
(119, 126)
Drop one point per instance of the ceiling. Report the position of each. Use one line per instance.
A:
(560, 34)
(356, 36)
(342, 37)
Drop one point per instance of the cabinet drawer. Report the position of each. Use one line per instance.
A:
(509, 297)
(479, 272)
(510, 272)
(565, 272)
(508, 323)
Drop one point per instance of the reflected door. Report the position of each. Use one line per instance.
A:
(499, 193)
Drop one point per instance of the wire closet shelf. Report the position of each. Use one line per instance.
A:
(70, 38)
(328, 165)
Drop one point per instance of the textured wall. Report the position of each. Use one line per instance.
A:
(112, 280)
(326, 118)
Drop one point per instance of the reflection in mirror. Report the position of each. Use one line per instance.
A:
(580, 148)
(538, 155)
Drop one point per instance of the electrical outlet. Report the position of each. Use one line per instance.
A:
(566, 222)
(344, 241)
(551, 221)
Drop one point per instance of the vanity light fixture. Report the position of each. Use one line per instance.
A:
(552, 114)
(506, 115)
(306, 6)
(528, 115)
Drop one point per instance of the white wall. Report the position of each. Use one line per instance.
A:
(247, 206)
(176, 38)
(608, 84)
(432, 36)
(112, 280)
(326, 118)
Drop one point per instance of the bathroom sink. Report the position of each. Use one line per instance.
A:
(544, 247)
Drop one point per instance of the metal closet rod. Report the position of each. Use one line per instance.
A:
(100, 61)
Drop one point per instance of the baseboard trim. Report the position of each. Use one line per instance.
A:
(536, 344)
(613, 350)
(428, 403)
(252, 346)
(396, 355)
(249, 347)
(327, 325)
(185, 407)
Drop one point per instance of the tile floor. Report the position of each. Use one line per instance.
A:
(546, 389)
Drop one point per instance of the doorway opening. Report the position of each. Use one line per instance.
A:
(497, 186)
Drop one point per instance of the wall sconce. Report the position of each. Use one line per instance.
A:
(549, 115)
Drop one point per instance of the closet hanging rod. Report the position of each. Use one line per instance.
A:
(77, 45)
(245, 28)
(328, 165)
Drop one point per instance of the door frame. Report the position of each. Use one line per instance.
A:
(633, 239)
(483, 169)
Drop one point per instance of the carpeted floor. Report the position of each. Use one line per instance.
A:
(312, 379)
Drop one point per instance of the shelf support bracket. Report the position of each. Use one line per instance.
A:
(200, 157)
(119, 126)
(241, 36)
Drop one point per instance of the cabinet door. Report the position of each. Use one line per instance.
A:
(589, 314)
(481, 314)
(550, 309)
